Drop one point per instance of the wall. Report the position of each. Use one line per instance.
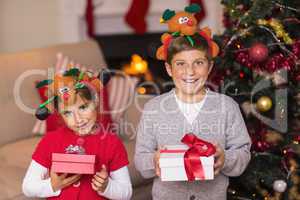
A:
(27, 24)
(109, 17)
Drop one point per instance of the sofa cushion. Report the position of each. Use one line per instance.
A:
(121, 89)
(15, 159)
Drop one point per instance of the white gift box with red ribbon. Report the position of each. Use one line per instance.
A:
(172, 165)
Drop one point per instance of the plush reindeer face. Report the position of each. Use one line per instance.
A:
(64, 88)
(183, 22)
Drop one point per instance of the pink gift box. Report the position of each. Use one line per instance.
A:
(73, 163)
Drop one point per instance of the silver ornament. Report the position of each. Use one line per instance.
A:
(279, 186)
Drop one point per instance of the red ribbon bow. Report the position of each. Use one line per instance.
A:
(192, 162)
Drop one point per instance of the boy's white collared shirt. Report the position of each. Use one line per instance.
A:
(190, 110)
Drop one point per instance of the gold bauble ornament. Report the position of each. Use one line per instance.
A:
(264, 104)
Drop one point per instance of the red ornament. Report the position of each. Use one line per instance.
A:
(271, 65)
(249, 64)
(242, 75)
(258, 52)
(242, 57)
(296, 48)
(288, 63)
(275, 62)
(259, 145)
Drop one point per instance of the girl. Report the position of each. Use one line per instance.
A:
(75, 96)
(191, 108)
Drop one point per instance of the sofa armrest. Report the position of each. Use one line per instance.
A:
(131, 117)
(128, 130)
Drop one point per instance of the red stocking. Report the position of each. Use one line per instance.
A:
(89, 17)
(136, 14)
(201, 15)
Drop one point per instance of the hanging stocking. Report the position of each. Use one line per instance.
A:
(135, 17)
(201, 15)
(89, 17)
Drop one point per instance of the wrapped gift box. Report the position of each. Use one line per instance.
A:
(73, 163)
(172, 164)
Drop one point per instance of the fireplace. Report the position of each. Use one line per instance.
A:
(118, 50)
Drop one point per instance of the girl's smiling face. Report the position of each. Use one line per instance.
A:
(189, 70)
(80, 117)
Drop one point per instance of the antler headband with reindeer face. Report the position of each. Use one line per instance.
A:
(184, 24)
(63, 87)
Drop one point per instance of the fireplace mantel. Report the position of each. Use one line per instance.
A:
(109, 17)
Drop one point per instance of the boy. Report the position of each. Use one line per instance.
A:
(191, 108)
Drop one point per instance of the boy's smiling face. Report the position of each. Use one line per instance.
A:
(81, 116)
(189, 70)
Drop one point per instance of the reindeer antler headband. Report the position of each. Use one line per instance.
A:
(64, 87)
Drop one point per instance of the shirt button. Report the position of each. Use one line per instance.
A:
(192, 197)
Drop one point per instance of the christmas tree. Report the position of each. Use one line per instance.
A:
(259, 67)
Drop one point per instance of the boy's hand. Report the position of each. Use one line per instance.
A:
(59, 182)
(219, 159)
(156, 162)
(100, 180)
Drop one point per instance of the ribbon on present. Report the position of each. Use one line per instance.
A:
(192, 162)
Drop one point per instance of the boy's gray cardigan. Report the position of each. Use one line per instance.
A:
(219, 120)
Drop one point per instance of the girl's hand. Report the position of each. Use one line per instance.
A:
(100, 180)
(59, 182)
(219, 159)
